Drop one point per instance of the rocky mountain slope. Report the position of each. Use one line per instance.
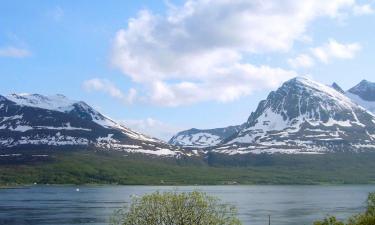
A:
(37, 121)
(363, 94)
(304, 116)
(200, 138)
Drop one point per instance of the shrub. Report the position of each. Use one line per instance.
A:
(194, 208)
(329, 221)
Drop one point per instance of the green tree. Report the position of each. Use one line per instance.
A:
(172, 208)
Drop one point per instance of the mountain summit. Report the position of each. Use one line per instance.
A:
(37, 121)
(304, 116)
(337, 88)
(365, 90)
(363, 94)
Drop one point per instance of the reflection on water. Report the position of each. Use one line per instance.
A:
(287, 205)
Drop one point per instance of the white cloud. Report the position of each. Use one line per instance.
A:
(108, 87)
(14, 52)
(196, 52)
(365, 9)
(302, 60)
(334, 49)
(152, 127)
(229, 84)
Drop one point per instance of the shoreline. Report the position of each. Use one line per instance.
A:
(24, 186)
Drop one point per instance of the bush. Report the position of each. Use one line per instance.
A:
(194, 208)
(366, 218)
(329, 221)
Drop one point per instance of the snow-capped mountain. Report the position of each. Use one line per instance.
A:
(199, 138)
(33, 120)
(363, 94)
(304, 116)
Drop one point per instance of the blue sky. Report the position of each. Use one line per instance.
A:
(163, 66)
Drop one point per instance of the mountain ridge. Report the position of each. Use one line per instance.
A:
(304, 116)
(28, 120)
(201, 138)
(301, 116)
(363, 94)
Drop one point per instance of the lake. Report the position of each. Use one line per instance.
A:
(287, 205)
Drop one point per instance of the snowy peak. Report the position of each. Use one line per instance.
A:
(305, 97)
(302, 116)
(61, 103)
(305, 115)
(363, 94)
(54, 102)
(365, 90)
(33, 120)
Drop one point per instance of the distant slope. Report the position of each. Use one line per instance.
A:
(37, 121)
(200, 138)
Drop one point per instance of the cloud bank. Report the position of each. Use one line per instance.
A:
(108, 87)
(325, 54)
(334, 49)
(199, 51)
(153, 128)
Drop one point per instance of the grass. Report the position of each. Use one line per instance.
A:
(91, 167)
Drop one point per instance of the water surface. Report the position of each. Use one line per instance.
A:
(287, 205)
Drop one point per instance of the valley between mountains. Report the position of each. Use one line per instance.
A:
(304, 132)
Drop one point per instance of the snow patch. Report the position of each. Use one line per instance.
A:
(53, 102)
(21, 128)
(199, 140)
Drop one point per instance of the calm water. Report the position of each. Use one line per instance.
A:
(288, 205)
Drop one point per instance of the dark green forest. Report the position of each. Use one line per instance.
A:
(100, 167)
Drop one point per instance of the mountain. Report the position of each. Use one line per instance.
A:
(304, 116)
(337, 88)
(203, 138)
(36, 121)
(363, 94)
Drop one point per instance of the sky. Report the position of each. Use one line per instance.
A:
(165, 66)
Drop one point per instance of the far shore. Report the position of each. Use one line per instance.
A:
(21, 186)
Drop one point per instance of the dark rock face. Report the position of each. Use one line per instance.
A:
(365, 90)
(364, 95)
(53, 122)
(337, 88)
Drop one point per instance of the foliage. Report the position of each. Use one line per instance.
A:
(362, 219)
(329, 221)
(194, 208)
(371, 204)
(366, 218)
(99, 167)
